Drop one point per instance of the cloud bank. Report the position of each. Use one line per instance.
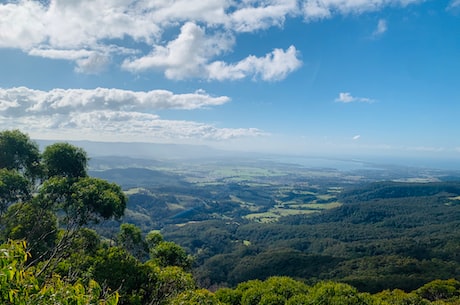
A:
(111, 114)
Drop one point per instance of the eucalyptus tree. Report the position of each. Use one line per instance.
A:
(50, 195)
(18, 152)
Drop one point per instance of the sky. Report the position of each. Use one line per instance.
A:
(307, 77)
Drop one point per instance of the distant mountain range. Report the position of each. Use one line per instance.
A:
(183, 152)
(148, 150)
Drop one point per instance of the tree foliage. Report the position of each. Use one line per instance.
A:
(35, 225)
(18, 152)
(13, 188)
(82, 201)
(65, 197)
(130, 238)
(19, 286)
(57, 259)
(65, 160)
(167, 253)
(440, 290)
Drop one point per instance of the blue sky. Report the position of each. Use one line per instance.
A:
(313, 77)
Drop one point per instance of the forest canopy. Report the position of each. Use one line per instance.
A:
(51, 254)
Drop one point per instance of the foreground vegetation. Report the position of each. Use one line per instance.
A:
(387, 244)
(19, 285)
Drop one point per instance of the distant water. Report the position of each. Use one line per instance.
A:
(370, 163)
(325, 163)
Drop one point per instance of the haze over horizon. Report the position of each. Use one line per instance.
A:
(335, 77)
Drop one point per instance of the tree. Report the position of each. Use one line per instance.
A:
(29, 222)
(229, 296)
(399, 297)
(171, 281)
(66, 198)
(130, 238)
(153, 238)
(120, 271)
(439, 290)
(18, 152)
(65, 160)
(253, 294)
(84, 200)
(195, 297)
(274, 290)
(167, 253)
(13, 188)
(78, 202)
(337, 294)
(19, 167)
(77, 260)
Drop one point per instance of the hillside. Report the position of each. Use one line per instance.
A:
(276, 233)
(394, 241)
(247, 220)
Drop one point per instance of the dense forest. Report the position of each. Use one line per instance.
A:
(380, 243)
(394, 241)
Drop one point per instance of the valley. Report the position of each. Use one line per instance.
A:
(251, 219)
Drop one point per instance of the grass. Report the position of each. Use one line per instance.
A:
(286, 210)
(303, 197)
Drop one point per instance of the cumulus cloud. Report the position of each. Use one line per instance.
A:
(188, 55)
(110, 114)
(21, 25)
(24, 100)
(346, 97)
(185, 56)
(93, 33)
(274, 66)
(262, 15)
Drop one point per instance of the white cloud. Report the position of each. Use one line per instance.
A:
(134, 125)
(382, 27)
(90, 62)
(184, 57)
(93, 64)
(346, 97)
(61, 54)
(316, 10)
(320, 9)
(207, 11)
(122, 126)
(274, 66)
(187, 56)
(87, 22)
(92, 33)
(21, 24)
(23, 100)
(110, 114)
(357, 137)
(262, 15)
